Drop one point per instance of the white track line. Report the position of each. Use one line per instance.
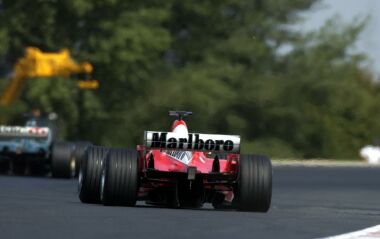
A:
(323, 163)
(367, 233)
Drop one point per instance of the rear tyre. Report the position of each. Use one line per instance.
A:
(37, 168)
(4, 166)
(120, 178)
(90, 174)
(254, 185)
(18, 165)
(63, 164)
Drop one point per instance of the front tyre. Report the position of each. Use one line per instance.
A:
(120, 178)
(254, 184)
(90, 174)
(62, 162)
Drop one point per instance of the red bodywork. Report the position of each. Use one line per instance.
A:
(158, 169)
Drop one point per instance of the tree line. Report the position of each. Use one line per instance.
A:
(237, 64)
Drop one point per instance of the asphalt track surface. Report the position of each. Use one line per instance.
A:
(308, 202)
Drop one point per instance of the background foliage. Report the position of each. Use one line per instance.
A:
(237, 64)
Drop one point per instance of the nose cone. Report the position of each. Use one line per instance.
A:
(180, 127)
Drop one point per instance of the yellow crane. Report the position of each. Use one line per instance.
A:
(36, 63)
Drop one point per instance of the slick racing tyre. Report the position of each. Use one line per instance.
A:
(4, 165)
(62, 162)
(78, 154)
(18, 165)
(254, 184)
(120, 178)
(90, 174)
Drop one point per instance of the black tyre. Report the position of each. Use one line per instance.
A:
(78, 154)
(62, 162)
(254, 184)
(37, 167)
(18, 165)
(120, 178)
(90, 174)
(4, 165)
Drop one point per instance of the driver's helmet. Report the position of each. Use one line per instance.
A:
(180, 127)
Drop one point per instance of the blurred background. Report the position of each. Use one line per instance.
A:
(295, 78)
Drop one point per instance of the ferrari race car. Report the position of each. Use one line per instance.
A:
(177, 169)
(33, 149)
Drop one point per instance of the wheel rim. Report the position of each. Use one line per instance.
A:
(80, 180)
(102, 183)
(72, 167)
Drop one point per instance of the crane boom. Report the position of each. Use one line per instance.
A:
(36, 63)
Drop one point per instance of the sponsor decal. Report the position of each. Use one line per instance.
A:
(201, 142)
(18, 131)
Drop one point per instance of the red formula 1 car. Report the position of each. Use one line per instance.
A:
(178, 169)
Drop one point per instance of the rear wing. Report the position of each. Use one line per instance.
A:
(23, 132)
(192, 142)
